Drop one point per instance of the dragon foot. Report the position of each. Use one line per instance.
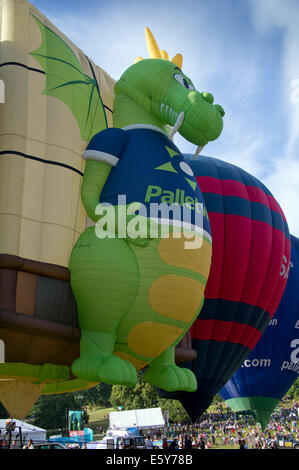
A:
(105, 368)
(171, 378)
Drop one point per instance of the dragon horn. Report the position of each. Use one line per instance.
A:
(164, 55)
(138, 59)
(178, 60)
(152, 46)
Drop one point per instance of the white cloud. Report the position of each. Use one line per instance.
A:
(270, 14)
(283, 184)
(283, 16)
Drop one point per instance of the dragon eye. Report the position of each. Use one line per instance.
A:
(181, 79)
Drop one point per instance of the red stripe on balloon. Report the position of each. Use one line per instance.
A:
(228, 331)
(271, 290)
(263, 267)
(230, 256)
(245, 266)
(226, 187)
(208, 184)
(213, 286)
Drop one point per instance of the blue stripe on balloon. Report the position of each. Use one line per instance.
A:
(229, 310)
(234, 205)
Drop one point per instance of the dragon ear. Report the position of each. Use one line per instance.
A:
(152, 46)
(178, 60)
(138, 59)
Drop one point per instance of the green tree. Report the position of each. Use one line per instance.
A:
(96, 396)
(141, 396)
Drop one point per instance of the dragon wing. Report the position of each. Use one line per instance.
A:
(67, 81)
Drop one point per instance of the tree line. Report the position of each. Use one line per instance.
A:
(50, 411)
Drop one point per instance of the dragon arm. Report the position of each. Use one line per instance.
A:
(95, 176)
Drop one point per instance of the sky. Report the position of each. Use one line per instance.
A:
(244, 52)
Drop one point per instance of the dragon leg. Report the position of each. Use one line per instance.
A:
(165, 374)
(104, 279)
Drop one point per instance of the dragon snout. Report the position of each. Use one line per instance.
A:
(220, 109)
(210, 99)
(201, 119)
(195, 98)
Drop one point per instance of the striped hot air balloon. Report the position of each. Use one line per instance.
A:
(273, 366)
(251, 255)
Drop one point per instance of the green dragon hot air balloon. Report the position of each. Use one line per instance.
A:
(138, 295)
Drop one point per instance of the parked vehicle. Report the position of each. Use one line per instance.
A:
(286, 441)
(113, 438)
(49, 445)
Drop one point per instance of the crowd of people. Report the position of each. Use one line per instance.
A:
(14, 444)
(229, 429)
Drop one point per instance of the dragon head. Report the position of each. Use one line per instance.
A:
(158, 90)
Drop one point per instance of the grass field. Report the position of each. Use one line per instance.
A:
(99, 417)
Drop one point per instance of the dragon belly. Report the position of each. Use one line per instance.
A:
(169, 298)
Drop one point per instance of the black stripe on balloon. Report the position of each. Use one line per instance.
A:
(48, 162)
(234, 205)
(216, 362)
(239, 312)
(223, 171)
(19, 64)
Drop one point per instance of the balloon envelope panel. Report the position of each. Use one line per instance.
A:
(251, 252)
(272, 367)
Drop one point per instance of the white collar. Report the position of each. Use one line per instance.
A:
(145, 126)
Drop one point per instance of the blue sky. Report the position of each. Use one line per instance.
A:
(245, 52)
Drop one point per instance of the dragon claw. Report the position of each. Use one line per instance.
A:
(171, 378)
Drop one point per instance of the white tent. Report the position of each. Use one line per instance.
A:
(28, 431)
(140, 419)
